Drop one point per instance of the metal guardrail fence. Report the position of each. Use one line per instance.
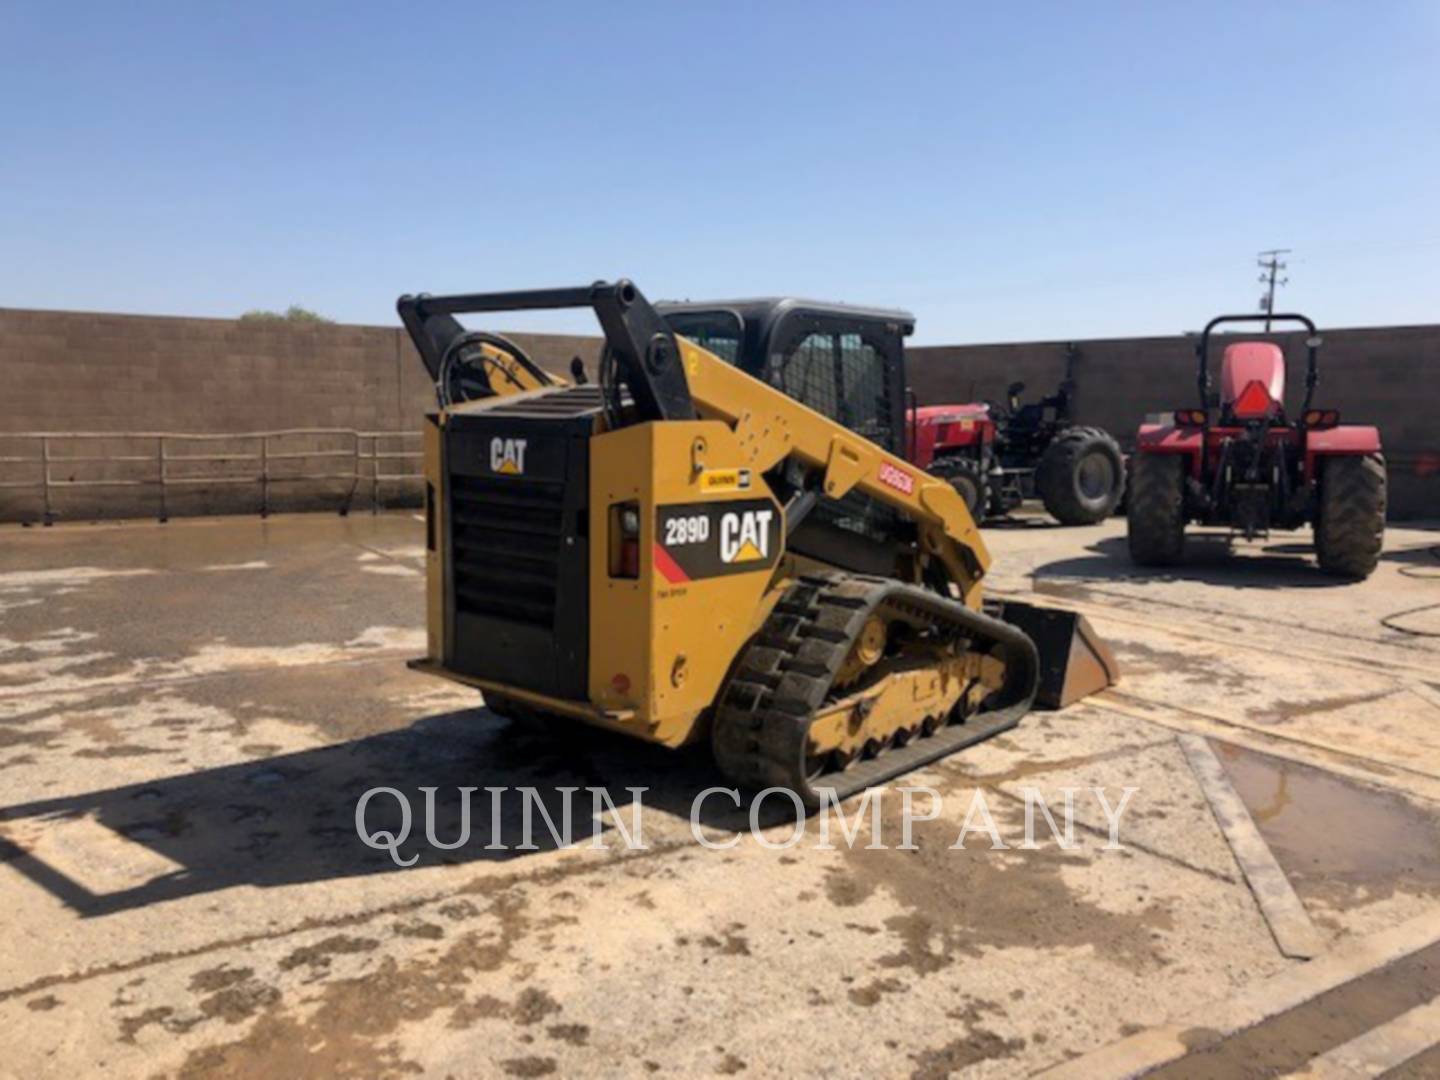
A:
(359, 462)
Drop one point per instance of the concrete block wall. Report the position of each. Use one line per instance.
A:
(78, 371)
(1386, 376)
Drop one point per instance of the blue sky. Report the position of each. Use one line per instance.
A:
(1005, 171)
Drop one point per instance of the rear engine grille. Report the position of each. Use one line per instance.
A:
(505, 547)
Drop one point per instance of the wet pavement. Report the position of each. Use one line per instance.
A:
(189, 714)
(1341, 844)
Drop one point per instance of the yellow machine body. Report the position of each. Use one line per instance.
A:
(660, 650)
(678, 616)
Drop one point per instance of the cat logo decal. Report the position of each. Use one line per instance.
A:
(745, 537)
(507, 456)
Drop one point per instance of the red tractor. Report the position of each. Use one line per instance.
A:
(1239, 461)
(998, 456)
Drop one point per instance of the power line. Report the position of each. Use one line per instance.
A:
(1271, 266)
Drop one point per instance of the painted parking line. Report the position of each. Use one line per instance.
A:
(1254, 1004)
(1289, 922)
(1379, 1049)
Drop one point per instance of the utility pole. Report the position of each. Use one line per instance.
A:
(1271, 266)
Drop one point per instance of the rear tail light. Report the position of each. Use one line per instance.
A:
(1322, 418)
(1190, 417)
(625, 540)
(1253, 402)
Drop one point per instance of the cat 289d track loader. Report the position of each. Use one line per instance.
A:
(716, 541)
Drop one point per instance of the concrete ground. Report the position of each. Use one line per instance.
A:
(189, 713)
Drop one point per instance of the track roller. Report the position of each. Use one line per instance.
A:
(854, 680)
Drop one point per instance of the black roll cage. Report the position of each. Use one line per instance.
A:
(646, 356)
(1312, 350)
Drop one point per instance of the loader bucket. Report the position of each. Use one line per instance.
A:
(1074, 661)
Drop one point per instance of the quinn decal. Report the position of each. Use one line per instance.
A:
(700, 540)
(507, 456)
(898, 479)
(725, 479)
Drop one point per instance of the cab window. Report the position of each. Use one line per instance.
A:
(718, 332)
(842, 376)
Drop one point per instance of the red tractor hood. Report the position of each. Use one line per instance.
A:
(946, 414)
(1248, 362)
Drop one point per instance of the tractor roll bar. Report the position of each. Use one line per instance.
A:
(647, 357)
(1312, 348)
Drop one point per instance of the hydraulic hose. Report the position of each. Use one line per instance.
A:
(1391, 622)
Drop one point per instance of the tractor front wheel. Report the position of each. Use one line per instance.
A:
(1156, 515)
(1081, 476)
(967, 476)
(1350, 525)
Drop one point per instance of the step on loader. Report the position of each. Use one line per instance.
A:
(716, 540)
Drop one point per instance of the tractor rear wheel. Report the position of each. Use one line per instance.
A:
(1156, 517)
(1350, 525)
(1081, 476)
(967, 476)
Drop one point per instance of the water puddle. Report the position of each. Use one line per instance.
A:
(1337, 841)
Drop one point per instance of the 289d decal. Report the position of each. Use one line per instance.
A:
(700, 540)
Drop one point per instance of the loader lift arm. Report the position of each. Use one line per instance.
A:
(775, 427)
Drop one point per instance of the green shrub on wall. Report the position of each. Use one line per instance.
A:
(293, 314)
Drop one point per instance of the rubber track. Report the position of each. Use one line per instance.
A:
(762, 723)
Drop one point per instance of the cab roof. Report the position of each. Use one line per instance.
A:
(764, 311)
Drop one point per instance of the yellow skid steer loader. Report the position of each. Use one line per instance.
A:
(719, 540)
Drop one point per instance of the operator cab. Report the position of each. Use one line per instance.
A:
(843, 361)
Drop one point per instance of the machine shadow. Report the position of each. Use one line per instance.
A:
(1023, 522)
(1425, 555)
(291, 819)
(1209, 559)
